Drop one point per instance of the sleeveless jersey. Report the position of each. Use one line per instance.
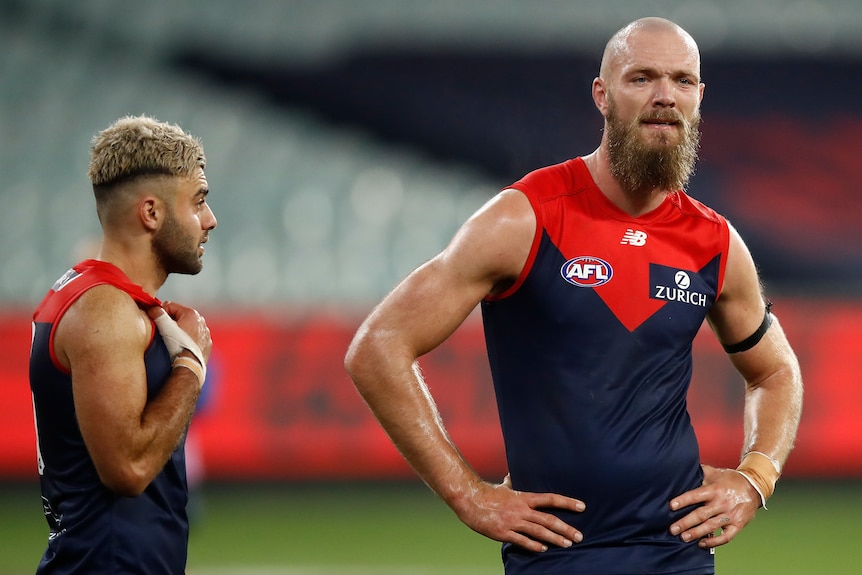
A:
(590, 354)
(92, 529)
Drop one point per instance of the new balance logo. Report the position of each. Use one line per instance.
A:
(634, 238)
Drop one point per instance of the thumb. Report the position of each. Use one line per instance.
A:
(155, 312)
(709, 473)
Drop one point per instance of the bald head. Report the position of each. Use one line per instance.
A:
(646, 36)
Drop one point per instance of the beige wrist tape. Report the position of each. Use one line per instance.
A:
(762, 472)
(192, 365)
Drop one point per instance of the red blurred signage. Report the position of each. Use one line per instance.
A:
(280, 406)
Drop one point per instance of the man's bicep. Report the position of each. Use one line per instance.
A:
(739, 311)
(488, 251)
(495, 243)
(103, 337)
(772, 354)
(425, 308)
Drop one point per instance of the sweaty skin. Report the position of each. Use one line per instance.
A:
(650, 77)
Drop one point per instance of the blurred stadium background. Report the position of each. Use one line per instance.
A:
(346, 141)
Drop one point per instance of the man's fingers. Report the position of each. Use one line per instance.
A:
(522, 518)
(691, 521)
(555, 501)
(527, 543)
(542, 529)
(546, 527)
(550, 528)
(545, 537)
(698, 531)
(727, 533)
(155, 311)
(689, 498)
(176, 339)
(554, 530)
(719, 510)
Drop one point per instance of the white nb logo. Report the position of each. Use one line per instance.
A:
(634, 238)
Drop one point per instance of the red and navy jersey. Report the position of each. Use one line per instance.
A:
(590, 354)
(93, 530)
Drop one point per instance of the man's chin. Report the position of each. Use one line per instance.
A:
(661, 141)
(187, 270)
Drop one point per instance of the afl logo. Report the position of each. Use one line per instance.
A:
(587, 271)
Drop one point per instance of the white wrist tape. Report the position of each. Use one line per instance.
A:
(177, 340)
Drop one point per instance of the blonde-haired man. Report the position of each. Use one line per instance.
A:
(115, 373)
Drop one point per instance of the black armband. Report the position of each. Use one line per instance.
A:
(752, 340)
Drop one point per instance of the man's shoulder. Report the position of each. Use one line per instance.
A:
(693, 207)
(564, 178)
(106, 297)
(102, 309)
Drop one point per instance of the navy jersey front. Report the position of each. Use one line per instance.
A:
(93, 530)
(590, 354)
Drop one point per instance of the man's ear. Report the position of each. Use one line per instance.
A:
(600, 96)
(152, 212)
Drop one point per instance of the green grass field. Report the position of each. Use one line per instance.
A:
(811, 528)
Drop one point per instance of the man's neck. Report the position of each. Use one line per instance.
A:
(634, 204)
(139, 265)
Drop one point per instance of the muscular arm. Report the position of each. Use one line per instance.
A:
(773, 402)
(102, 339)
(773, 382)
(485, 256)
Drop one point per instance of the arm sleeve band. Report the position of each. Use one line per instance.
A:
(754, 338)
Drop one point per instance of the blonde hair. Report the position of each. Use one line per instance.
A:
(141, 146)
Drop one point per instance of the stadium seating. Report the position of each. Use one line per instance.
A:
(307, 211)
(332, 178)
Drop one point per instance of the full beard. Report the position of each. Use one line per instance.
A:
(175, 250)
(641, 167)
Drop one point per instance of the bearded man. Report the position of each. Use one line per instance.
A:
(594, 276)
(115, 373)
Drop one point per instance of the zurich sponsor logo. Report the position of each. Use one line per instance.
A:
(682, 280)
(587, 271)
(681, 291)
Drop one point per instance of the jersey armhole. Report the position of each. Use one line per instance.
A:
(54, 324)
(725, 250)
(531, 257)
(62, 312)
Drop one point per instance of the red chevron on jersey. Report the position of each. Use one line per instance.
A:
(590, 354)
(612, 253)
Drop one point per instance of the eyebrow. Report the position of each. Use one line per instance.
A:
(651, 70)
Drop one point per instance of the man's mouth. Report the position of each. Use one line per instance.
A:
(661, 121)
